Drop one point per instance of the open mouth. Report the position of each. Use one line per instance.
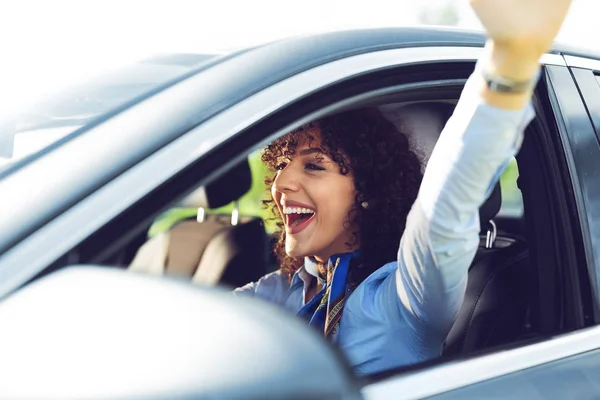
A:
(296, 218)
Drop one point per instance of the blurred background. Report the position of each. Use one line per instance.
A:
(47, 46)
(45, 43)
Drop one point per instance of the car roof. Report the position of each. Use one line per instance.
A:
(365, 40)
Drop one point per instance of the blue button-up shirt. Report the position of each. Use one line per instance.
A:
(402, 312)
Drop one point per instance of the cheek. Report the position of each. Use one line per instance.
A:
(349, 197)
(276, 197)
(339, 200)
(349, 193)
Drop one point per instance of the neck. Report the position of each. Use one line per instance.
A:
(321, 261)
(324, 258)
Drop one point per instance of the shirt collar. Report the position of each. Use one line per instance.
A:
(309, 269)
(310, 266)
(301, 277)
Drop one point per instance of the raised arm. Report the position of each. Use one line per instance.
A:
(485, 132)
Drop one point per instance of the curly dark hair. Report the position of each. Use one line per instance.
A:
(386, 174)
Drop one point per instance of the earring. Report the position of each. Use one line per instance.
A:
(364, 205)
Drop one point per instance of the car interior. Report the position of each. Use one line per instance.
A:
(233, 250)
(516, 291)
(210, 249)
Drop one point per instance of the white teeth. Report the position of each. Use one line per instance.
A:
(297, 210)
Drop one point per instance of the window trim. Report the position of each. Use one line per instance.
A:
(581, 62)
(578, 151)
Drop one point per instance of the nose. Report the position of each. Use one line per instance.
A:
(286, 180)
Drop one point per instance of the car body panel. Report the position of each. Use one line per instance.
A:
(454, 375)
(574, 377)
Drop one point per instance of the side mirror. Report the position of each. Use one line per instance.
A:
(88, 332)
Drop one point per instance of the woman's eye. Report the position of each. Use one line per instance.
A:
(314, 167)
(280, 166)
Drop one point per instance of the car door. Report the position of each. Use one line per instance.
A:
(571, 375)
(560, 368)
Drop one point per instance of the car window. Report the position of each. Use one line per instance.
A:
(42, 121)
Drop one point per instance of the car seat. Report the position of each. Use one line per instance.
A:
(496, 299)
(210, 249)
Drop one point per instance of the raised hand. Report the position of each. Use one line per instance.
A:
(520, 32)
(529, 25)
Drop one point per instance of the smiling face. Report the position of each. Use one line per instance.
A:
(314, 199)
(365, 159)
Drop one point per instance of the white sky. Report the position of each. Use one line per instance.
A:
(46, 43)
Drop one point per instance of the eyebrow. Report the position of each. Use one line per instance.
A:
(312, 150)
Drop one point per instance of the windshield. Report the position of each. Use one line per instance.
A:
(38, 124)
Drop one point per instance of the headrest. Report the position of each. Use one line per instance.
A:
(228, 187)
(423, 123)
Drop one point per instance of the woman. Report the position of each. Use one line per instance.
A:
(347, 190)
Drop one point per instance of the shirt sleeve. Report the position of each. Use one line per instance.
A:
(442, 228)
(272, 287)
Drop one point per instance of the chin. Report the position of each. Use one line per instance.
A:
(296, 253)
(295, 250)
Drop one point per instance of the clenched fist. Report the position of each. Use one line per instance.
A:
(519, 32)
(525, 25)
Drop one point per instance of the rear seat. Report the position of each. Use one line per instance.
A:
(212, 249)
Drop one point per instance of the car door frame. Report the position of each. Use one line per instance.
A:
(586, 73)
